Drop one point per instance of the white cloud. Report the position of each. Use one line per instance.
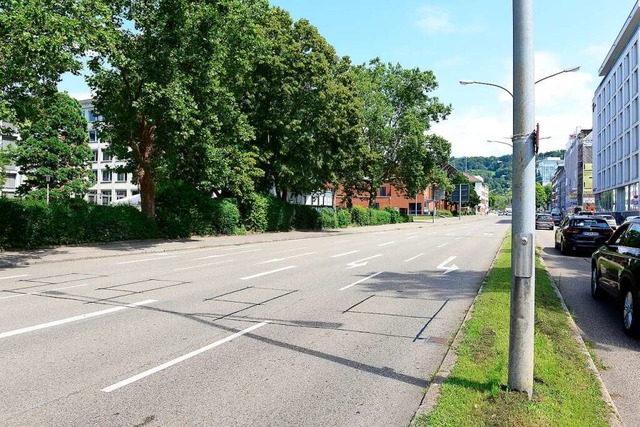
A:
(434, 20)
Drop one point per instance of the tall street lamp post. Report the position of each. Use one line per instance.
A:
(521, 332)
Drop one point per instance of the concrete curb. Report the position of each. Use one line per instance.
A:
(614, 417)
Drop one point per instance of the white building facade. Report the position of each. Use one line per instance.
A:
(616, 123)
(110, 184)
(546, 168)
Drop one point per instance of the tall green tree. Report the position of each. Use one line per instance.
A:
(168, 91)
(397, 114)
(40, 41)
(305, 108)
(55, 145)
(543, 195)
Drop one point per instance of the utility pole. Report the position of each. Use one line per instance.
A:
(521, 333)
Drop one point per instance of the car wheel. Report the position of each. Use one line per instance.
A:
(596, 289)
(630, 312)
(557, 245)
(564, 250)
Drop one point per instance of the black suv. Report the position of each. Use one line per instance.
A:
(578, 232)
(615, 270)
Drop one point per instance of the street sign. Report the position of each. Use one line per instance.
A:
(460, 193)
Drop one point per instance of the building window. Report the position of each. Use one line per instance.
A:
(106, 157)
(93, 117)
(91, 196)
(106, 175)
(121, 194)
(121, 177)
(10, 180)
(383, 191)
(95, 155)
(93, 135)
(106, 197)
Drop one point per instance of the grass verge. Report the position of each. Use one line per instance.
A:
(566, 392)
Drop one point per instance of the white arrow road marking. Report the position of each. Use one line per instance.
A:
(289, 257)
(74, 319)
(361, 280)
(181, 359)
(343, 254)
(362, 262)
(450, 268)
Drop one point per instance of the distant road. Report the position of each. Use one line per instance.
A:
(345, 329)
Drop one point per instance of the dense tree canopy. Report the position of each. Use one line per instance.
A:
(228, 96)
(305, 108)
(397, 113)
(55, 145)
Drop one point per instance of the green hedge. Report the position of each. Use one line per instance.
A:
(328, 218)
(29, 224)
(183, 211)
(343, 216)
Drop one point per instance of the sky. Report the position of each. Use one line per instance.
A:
(472, 40)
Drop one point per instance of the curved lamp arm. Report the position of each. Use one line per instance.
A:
(473, 82)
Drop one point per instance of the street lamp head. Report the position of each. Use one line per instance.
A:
(466, 82)
(571, 70)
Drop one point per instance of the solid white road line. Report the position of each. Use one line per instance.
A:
(417, 256)
(444, 244)
(267, 272)
(227, 254)
(388, 243)
(73, 319)
(147, 259)
(180, 359)
(203, 265)
(289, 257)
(39, 292)
(343, 254)
(412, 237)
(13, 277)
(361, 280)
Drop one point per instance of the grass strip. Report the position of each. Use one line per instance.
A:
(566, 392)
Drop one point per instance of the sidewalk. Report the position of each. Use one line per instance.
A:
(10, 259)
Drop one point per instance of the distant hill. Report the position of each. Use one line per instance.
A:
(496, 171)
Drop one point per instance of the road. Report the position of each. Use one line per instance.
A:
(345, 328)
(600, 323)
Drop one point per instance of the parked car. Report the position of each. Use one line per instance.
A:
(615, 270)
(557, 216)
(610, 220)
(544, 220)
(579, 232)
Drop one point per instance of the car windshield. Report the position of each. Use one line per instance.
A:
(543, 217)
(589, 222)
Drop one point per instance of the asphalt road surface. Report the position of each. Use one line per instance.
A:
(344, 329)
(600, 323)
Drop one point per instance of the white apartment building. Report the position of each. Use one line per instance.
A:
(13, 179)
(110, 185)
(546, 168)
(616, 123)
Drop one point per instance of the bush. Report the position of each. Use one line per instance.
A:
(306, 218)
(343, 217)
(329, 218)
(394, 215)
(379, 217)
(29, 224)
(253, 211)
(279, 214)
(183, 211)
(360, 216)
(444, 213)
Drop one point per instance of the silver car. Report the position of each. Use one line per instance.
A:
(610, 220)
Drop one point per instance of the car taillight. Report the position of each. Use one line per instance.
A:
(571, 230)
